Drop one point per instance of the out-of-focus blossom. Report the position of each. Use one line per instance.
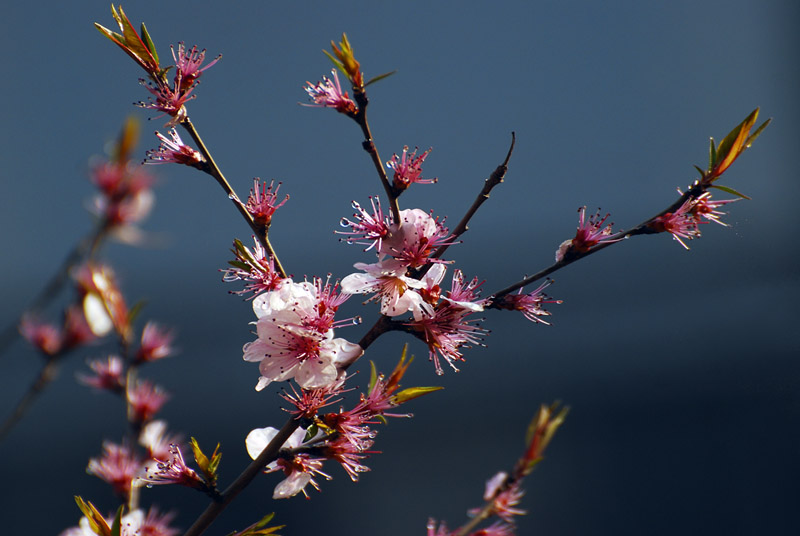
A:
(590, 233)
(261, 202)
(530, 304)
(295, 338)
(368, 229)
(118, 466)
(155, 344)
(77, 331)
(299, 469)
(109, 374)
(155, 439)
(173, 150)
(103, 304)
(254, 268)
(47, 338)
(145, 400)
(408, 169)
(328, 94)
(134, 523)
(502, 497)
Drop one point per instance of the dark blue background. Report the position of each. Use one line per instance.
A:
(680, 367)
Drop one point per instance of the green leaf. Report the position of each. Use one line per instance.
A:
(729, 190)
(335, 61)
(712, 155)
(700, 171)
(373, 376)
(379, 77)
(116, 526)
(757, 133)
(413, 392)
(149, 43)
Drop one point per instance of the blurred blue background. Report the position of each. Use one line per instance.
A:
(680, 367)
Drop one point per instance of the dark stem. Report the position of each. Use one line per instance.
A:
(494, 179)
(85, 247)
(46, 375)
(572, 256)
(212, 169)
(243, 480)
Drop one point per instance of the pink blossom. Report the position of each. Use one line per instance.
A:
(408, 169)
(387, 280)
(118, 466)
(589, 234)
(299, 469)
(417, 236)
(681, 224)
(328, 94)
(253, 267)
(529, 304)
(172, 471)
(76, 329)
(174, 151)
(704, 207)
(155, 343)
(145, 400)
(187, 65)
(47, 338)
(368, 229)
(295, 339)
(503, 497)
(134, 523)
(109, 374)
(155, 439)
(167, 100)
(261, 202)
(447, 329)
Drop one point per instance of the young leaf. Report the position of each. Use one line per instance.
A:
(729, 190)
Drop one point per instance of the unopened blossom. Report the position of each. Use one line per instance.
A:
(295, 339)
(172, 470)
(118, 466)
(415, 238)
(299, 469)
(156, 343)
(328, 94)
(173, 150)
(367, 228)
(45, 337)
(261, 203)
(529, 304)
(681, 224)
(109, 374)
(590, 233)
(145, 400)
(254, 267)
(408, 169)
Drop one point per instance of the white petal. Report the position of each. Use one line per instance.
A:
(258, 439)
(291, 486)
(96, 315)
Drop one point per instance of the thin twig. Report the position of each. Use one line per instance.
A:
(46, 375)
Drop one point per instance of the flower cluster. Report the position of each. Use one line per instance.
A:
(344, 436)
(295, 335)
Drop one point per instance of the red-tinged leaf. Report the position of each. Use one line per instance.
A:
(413, 392)
(96, 521)
(734, 143)
(135, 42)
(729, 190)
